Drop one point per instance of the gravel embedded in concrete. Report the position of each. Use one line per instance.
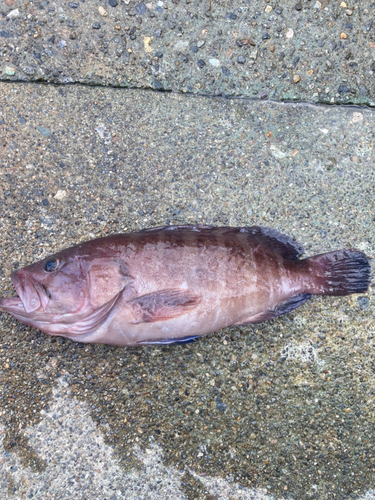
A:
(286, 406)
(319, 52)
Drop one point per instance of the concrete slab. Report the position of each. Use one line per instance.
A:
(316, 51)
(282, 409)
(79, 463)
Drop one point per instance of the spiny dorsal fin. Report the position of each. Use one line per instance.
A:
(278, 242)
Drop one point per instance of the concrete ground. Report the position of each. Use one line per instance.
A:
(283, 409)
(312, 50)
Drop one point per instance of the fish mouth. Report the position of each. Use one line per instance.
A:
(32, 296)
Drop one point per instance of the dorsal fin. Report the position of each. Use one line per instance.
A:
(281, 243)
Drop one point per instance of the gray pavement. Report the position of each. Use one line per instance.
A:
(284, 407)
(281, 410)
(316, 51)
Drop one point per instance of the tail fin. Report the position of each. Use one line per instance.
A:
(339, 273)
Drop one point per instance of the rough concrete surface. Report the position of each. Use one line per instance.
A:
(86, 467)
(312, 50)
(282, 410)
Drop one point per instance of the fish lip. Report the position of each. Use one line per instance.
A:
(12, 305)
(31, 294)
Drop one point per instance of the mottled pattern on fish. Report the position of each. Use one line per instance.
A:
(176, 283)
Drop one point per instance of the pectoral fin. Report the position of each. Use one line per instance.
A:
(162, 305)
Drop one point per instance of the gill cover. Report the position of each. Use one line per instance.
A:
(106, 279)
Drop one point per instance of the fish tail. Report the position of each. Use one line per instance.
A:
(339, 273)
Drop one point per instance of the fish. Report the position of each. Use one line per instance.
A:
(173, 284)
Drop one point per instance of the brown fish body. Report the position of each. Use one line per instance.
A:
(173, 283)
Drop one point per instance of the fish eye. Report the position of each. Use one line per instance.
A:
(51, 265)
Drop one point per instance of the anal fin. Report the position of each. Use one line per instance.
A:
(283, 308)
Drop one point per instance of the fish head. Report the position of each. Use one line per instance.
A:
(66, 293)
(57, 285)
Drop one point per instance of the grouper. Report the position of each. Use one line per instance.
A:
(176, 283)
